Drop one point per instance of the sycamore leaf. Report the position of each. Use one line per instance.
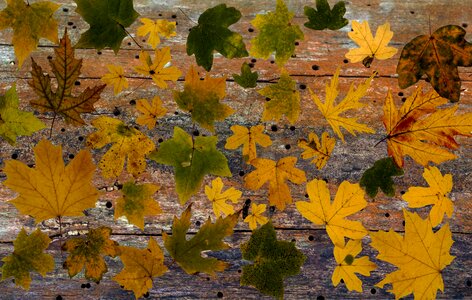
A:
(348, 265)
(435, 195)
(202, 99)
(284, 99)
(350, 102)
(28, 256)
(155, 28)
(276, 173)
(273, 261)
(30, 22)
(150, 112)
(219, 198)
(52, 190)
(247, 79)
(276, 34)
(248, 138)
(256, 216)
(128, 142)
(370, 48)
(438, 56)
(324, 17)
(212, 34)
(140, 267)
(422, 131)
(157, 69)
(321, 151)
(187, 253)
(116, 77)
(420, 255)
(108, 20)
(380, 176)
(66, 70)
(321, 211)
(137, 202)
(192, 159)
(13, 121)
(89, 251)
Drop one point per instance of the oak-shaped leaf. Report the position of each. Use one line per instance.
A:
(273, 261)
(247, 79)
(256, 217)
(248, 138)
(13, 121)
(66, 70)
(140, 267)
(129, 144)
(420, 255)
(187, 253)
(323, 17)
(108, 20)
(320, 150)
(159, 70)
(192, 159)
(216, 195)
(212, 34)
(380, 176)
(89, 251)
(51, 189)
(156, 28)
(322, 211)
(28, 256)
(150, 112)
(438, 56)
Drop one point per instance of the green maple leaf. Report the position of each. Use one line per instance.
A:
(276, 34)
(380, 176)
(14, 122)
(324, 17)
(273, 261)
(191, 159)
(187, 253)
(247, 79)
(108, 20)
(212, 33)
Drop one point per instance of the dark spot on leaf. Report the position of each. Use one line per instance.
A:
(311, 238)
(14, 156)
(273, 128)
(241, 173)
(109, 204)
(219, 295)
(152, 72)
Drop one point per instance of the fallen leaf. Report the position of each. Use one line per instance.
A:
(116, 77)
(247, 79)
(155, 28)
(150, 112)
(321, 151)
(323, 17)
(158, 70)
(248, 138)
(219, 198)
(380, 176)
(256, 216)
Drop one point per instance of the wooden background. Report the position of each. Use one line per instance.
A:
(316, 59)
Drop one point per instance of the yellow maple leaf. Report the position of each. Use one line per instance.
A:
(256, 216)
(151, 112)
(52, 190)
(350, 102)
(116, 78)
(435, 195)
(321, 211)
(155, 28)
(370, 47)
(321, 151)
(140, 267)
(420, 255)
(219, 198)
(348, 265)
(157, 69)
(248, 138)
(276, 173)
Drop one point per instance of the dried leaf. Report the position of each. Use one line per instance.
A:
(321, 151)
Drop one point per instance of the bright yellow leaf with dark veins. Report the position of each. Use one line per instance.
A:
(140, 267)
(219, 198)
(52, 190)
(116, 77)
(332, 111)
(321, 151)
(150, 112)
(420, 255)
(348, 265)
(30, 22)
(157, 69)
(256, 216)
(276, 173)
(137, 202)
(321, 211)
(155, 28)
(435, 195)
(28, 256)
(248, 138)
(128, 142)
(89, 251)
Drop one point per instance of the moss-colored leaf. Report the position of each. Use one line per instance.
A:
(380, 176)
(151, 112)
(158, 70)
(247, 79)
(156, 28)
(323, 17)
(320, 150)
(248, 138)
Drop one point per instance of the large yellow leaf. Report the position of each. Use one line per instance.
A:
(321, 211)
(219, 198)
(155, 28)
(321, 151)
(276, 173)
(157, 69)
(420, 255)
(52, 190)
(248, 138)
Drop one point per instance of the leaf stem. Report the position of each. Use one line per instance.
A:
(386, 137)
(134, 40)
(52, 125)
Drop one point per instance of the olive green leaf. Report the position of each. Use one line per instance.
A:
(324, 17)
(380, 176)
(247, 79)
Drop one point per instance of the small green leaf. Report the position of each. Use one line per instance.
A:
(380, 176)
(323, 17)
(247, 79)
